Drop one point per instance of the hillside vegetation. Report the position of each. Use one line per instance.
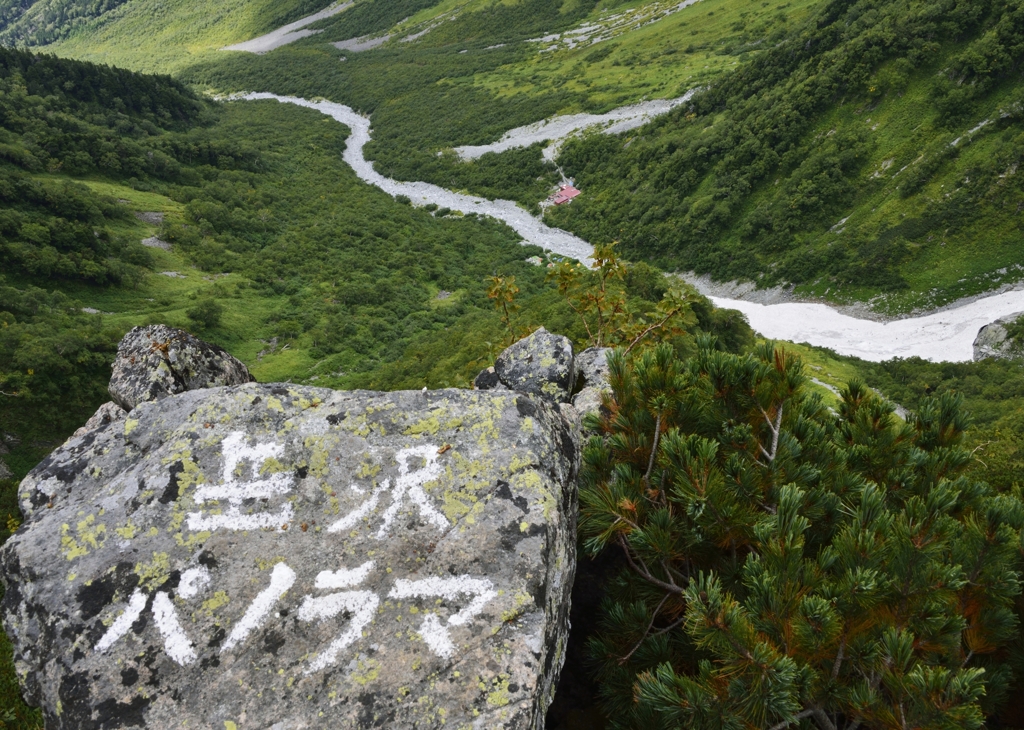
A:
(876, 149)
(858, 149)
(145, 35)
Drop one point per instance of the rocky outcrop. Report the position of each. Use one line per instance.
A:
(156, 361)
(487, 379)
(993, 340)
(275, 556)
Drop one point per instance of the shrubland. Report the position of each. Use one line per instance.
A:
(789, 564)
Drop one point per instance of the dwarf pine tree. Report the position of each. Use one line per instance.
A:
(790, 565)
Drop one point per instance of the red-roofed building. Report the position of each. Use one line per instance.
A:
(565, 194)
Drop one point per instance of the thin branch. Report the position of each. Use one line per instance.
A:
(796, 718)
(647, 631)
(839, 659)
(645, 574)
(823, 720)
(671, 626)
(650, 329)
(654, 451)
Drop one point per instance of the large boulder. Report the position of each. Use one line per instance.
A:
(270, 556)
(993, 340)
(542, 363)
(156, 361)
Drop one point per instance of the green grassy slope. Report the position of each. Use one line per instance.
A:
(168, 35)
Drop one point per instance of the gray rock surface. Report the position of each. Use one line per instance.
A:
(542, 363)
(154, 242)
(156, 361)
(151, 217)
(992, 341)
(106, 414)
(270, 556)
(592, 368)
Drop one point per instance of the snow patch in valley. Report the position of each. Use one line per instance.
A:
(288, 33)
(591, 32)
(944, 336)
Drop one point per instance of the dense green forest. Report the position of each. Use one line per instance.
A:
(41, 22)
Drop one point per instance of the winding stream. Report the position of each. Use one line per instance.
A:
(944, 336)
(530, 228)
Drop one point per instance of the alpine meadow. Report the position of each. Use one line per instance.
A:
(404, 196)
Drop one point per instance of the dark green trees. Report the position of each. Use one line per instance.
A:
(788, 565)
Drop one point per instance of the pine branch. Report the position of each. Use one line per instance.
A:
(796, 718)
(823, 720)
(654, 451)
(775, 429)
(654, 617)
(646, 574)
(839, 659)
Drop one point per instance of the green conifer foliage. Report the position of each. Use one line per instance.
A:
(789, 565)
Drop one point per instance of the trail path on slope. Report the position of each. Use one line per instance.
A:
(287, 33)
(942, 336)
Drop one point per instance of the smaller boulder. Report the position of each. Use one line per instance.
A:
(5, 471)
(593, 380)
(542, 364)
(487, 380)
(157, 361)
(106, 414)
(993, 340)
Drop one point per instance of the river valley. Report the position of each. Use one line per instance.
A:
(942, 336)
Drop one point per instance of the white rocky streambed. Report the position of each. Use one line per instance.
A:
(946, 335)
(287, 33)
(558, 129)
(420, 193)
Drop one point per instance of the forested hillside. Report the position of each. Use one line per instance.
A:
(874, 150)
(163, 36)
(39, 22)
